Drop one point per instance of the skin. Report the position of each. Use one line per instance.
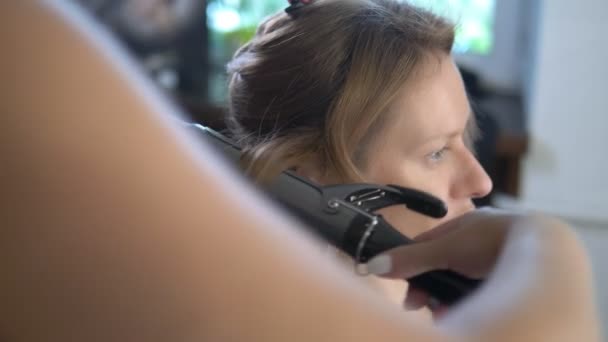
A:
(119, 226)
(424, 146)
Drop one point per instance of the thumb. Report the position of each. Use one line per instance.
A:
(409, 261)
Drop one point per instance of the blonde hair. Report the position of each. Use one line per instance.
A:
(316, 87)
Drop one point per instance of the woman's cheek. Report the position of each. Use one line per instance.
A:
(415, 175)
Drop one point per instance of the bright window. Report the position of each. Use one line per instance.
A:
(474, 21)
(233, 22)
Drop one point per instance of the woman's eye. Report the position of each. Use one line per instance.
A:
(438, 155)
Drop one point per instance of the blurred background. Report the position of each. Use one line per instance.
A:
(536, 71)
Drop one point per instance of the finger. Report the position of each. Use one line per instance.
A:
(408, 261)
(439, 230)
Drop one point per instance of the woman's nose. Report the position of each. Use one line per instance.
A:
(474, 181)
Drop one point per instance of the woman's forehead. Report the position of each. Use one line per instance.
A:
(432, 104)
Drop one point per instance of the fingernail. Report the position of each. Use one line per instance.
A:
(380, 265)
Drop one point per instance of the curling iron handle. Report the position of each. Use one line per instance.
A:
(305, 201)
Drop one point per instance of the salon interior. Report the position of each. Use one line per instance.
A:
(536, 72)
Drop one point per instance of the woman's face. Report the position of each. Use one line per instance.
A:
(423, 146)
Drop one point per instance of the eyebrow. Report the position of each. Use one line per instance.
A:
(471, 130)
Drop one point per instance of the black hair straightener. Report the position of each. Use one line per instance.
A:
(343, 215)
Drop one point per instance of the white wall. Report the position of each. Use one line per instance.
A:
(566, 171)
